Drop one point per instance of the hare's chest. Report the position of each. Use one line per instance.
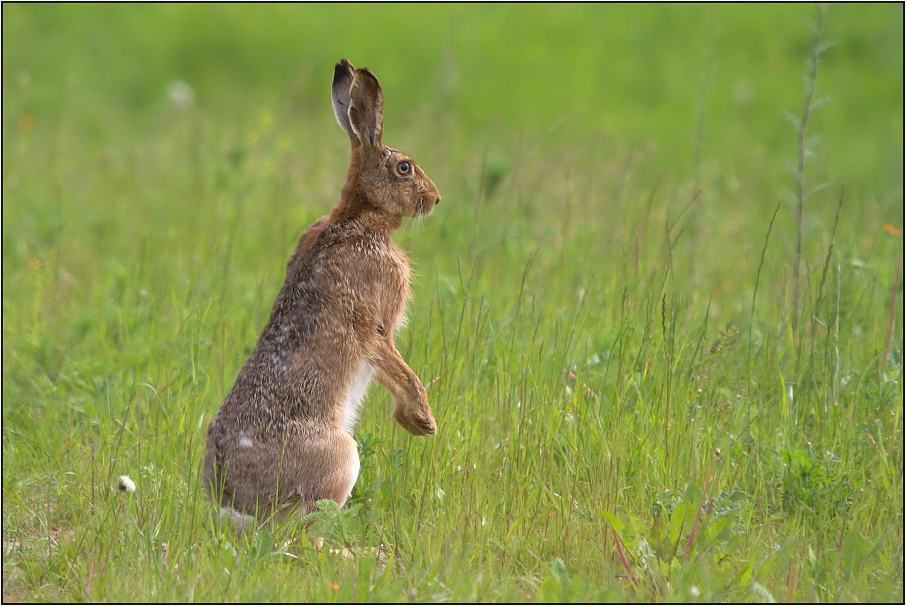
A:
(392, 285)
(355, 393)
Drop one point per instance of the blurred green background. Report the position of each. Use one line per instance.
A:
(627, 72)
(623, 103)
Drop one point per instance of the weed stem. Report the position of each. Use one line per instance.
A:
(800, 174)
(893, 305)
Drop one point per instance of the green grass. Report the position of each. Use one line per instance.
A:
(589, 325)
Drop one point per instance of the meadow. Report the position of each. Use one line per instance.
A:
(659, 311)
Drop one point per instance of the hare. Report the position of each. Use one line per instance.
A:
(282, 439)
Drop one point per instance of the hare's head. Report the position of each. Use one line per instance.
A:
(379, 177)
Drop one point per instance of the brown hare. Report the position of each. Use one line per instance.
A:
(281, 440)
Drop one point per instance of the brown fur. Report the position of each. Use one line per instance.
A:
(281, 440)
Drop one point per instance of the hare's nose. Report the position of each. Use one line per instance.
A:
(438, 201)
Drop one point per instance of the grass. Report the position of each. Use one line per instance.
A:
(603, 300)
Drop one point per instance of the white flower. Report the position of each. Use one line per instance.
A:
(762, 594)
(126, 484)
(694, 592)
(180, 94)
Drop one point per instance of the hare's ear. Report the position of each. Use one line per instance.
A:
(343, 75)
(366, 113)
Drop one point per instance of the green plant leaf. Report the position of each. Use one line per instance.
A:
(263, 544)
(558, 569)
(879, 542)
(854, 550)
(615, 523)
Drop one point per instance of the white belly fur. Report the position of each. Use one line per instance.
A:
(354, 395)
(240, 521)
(353, 472)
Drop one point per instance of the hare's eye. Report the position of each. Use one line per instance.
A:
(404, 168)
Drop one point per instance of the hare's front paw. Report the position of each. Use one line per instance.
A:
(416, 420)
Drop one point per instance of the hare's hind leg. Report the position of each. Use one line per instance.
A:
(254, 478)
(320, 466)
(325, 466)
